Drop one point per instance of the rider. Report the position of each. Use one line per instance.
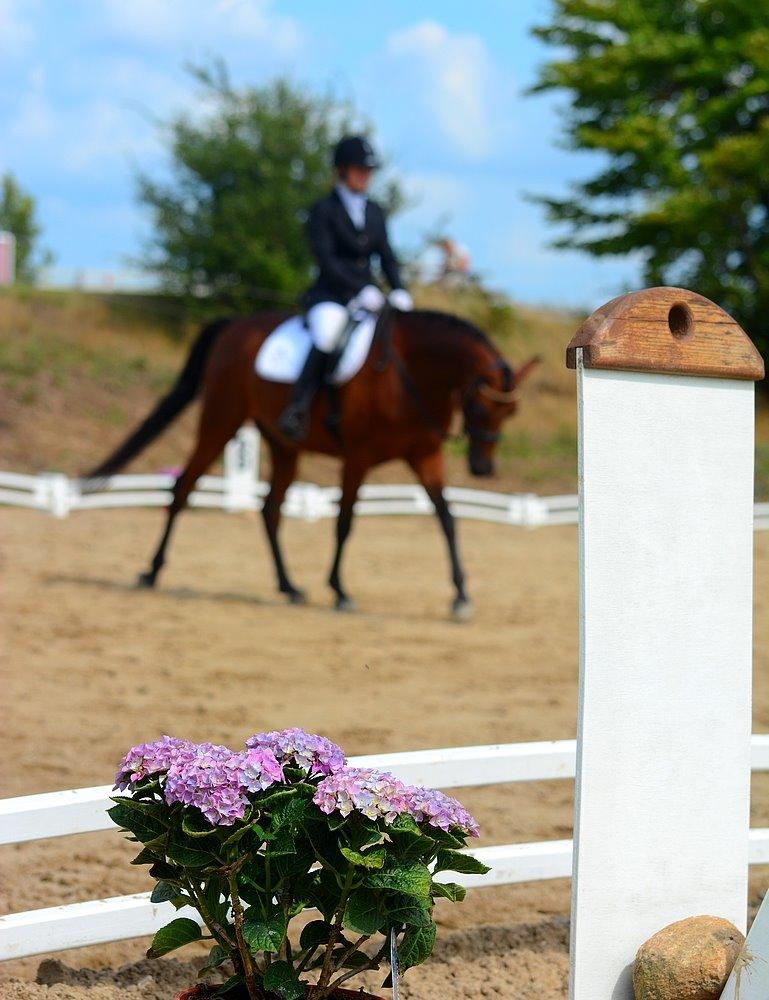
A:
(345, 230)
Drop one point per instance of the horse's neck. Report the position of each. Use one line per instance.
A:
(440, 363)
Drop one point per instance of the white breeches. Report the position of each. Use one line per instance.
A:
(326, 322)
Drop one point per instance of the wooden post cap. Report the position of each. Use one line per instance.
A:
(667, 330)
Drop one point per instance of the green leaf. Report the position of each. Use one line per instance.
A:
(289, 814)
(280, 978)
(264, 935)
(196, 825)
(363, 913)
(372, 860)
(465, 864)
(216, 957)
(163, 892)
(144, 826)
(409, 911)
(449, 890)
(145, 857)
(249, 828)
(412, 878)
(314, 934)
(416, 946)
(405, 824)
(273, 799)
(187, 856)
(353, 960)
(283, 843)
(161, 871)
(174, 935)
(229, 985)
(445, 838)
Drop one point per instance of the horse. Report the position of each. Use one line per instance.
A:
(422, 366)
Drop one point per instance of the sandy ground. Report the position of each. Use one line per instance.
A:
(93, 666)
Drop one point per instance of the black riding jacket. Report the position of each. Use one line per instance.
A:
(344, 253)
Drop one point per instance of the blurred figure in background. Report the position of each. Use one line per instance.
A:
(346, 231)
(455, 267)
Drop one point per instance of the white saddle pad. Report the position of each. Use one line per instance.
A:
(282, 355)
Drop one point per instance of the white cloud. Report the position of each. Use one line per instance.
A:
(84, 139)
(188, 22)
(451, 76)
(433, 197)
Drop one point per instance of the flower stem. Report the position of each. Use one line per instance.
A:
(322, 989)
(245, 955)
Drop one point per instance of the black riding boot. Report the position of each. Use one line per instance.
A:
(294, 419)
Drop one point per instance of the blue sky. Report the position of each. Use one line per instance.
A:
(83, 83)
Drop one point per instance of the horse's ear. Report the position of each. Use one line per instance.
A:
(526, 368)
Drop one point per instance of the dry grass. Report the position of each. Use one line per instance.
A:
(77, 370)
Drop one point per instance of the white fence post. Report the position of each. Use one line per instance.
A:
(241, 469)
(665, 401)
(53, 493)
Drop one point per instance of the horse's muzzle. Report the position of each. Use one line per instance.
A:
(480, 466)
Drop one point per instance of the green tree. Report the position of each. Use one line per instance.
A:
(18, 216)
(230, 222)
(675, 94)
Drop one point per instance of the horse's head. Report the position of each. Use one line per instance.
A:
(490, 399)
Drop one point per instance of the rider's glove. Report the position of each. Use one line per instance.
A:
(369, 298)
(400, 299)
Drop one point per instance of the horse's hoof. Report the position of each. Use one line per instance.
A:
(461, 610)
(296, 596)
(344, 603)
(146, 581)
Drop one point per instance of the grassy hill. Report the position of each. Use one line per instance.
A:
(78, 369)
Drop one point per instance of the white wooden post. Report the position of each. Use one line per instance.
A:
(241, 469)
(665, 398)
(53, 492)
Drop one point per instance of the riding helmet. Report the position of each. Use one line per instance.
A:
(355, 151)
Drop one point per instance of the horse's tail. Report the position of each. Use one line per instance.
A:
(168, 408)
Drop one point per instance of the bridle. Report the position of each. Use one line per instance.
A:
(480, 386)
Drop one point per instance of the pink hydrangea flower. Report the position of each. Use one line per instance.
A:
(151, 758)
(217, 781)
(298, 748)
(376, 794)
(431, 806)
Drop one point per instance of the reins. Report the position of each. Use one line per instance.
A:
(469, 431)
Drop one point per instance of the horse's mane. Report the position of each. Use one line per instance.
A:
(433, 318)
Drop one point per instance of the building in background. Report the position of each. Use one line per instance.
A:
(7, 258)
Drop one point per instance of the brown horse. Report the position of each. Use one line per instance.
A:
(422, 366)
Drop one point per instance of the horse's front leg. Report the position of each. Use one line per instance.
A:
(284, 462)
(429, 471)
(352, 476)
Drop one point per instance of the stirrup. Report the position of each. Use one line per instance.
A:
(293, 423)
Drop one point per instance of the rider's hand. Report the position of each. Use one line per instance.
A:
(400, 299)
(369, 298)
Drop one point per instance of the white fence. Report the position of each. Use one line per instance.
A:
(83, 810)
(56, 494)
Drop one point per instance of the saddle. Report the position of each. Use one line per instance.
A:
(282, 355)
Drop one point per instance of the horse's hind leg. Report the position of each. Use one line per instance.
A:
(284, 462)
(209, 446)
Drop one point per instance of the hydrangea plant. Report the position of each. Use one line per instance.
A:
(251, 839)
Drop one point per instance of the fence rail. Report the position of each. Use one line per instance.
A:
(56, 814)
(58, 495)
